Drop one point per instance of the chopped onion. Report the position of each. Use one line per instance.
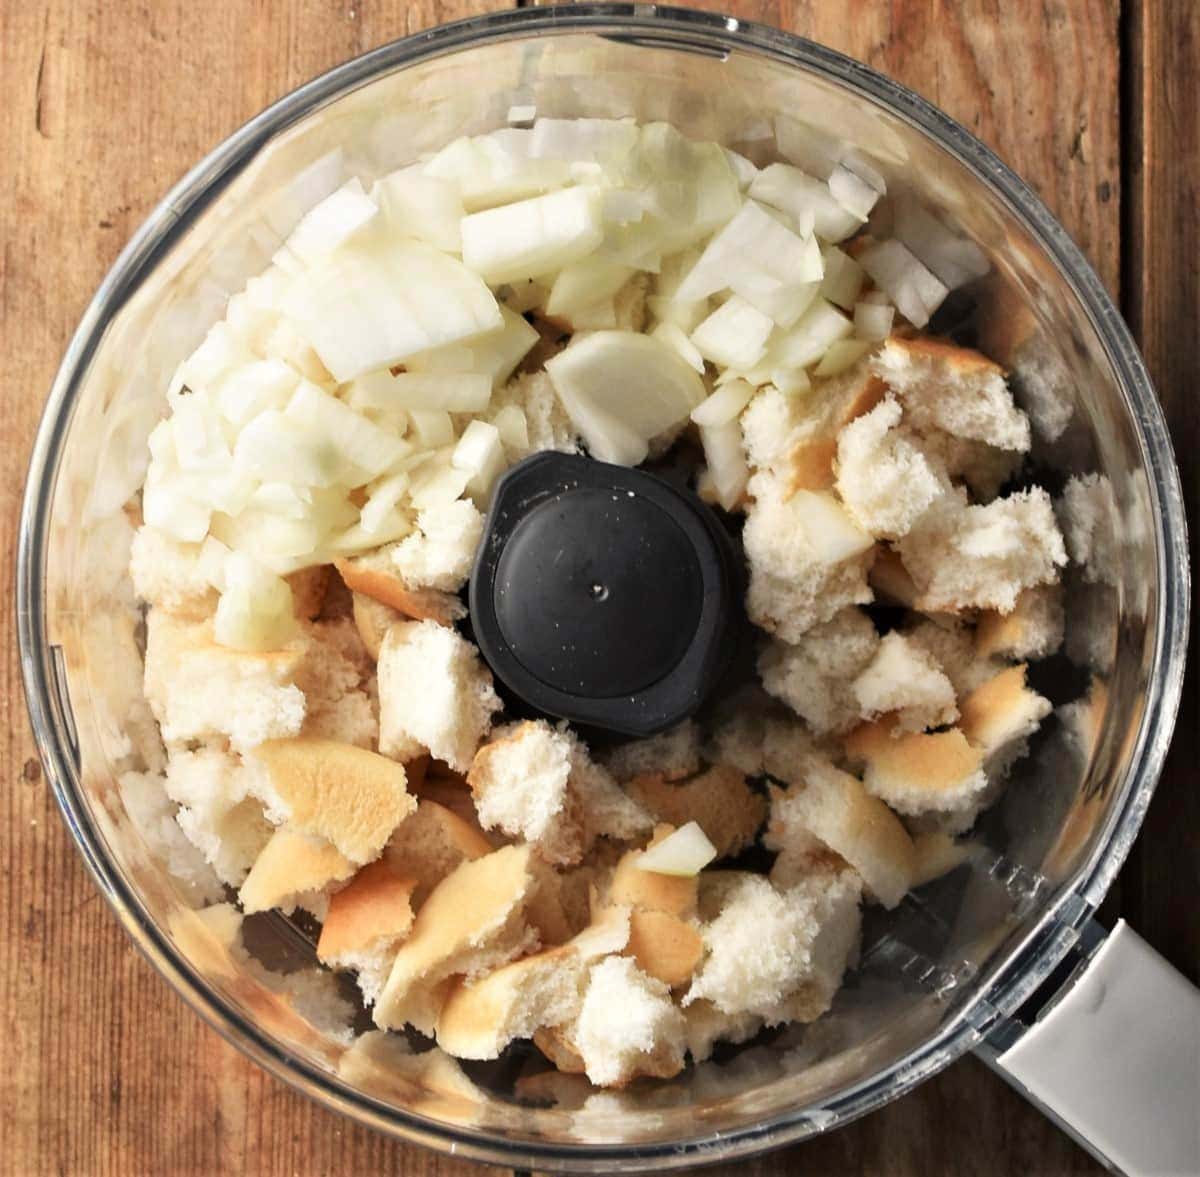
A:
(684, 853)
(583, 284)
(744, 171)
(783, 304)
(210, 563)
(532, 237)
(219, 353)
(873, 320)
(621, 389)
(366, 309)
(831, 534)
(335, 220)
(279, 498)
(596, 317)
(495, 354)
(953, 259)
(726, 460)
(513, 427)
(366, 450)
(674, 337)
(255, 610)
(725, 405)
(734, 335)
(806, 200)
(521, 113)
(916, 292)
(606, 142)
(456, 392)
(805, 343)
(684, 315)
(432, 428)
(251, 322)
(262, 384)
(491, 170)
(286, 344)
(356, 538)
(852, 192)
(416, 204)
(383, 502)
(791, 381)
(843, 277)
(843, 354)
(273, 447)
(438, 482)
(175, 514)
(480, 453)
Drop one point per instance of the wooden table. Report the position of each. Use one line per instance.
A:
(105, 104)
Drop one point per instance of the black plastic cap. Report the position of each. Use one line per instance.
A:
(603, 595)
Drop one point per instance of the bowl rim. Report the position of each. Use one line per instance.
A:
(1046, 942)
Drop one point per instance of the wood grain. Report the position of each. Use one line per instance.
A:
(104, 106)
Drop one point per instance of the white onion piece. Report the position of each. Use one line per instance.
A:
(852, 192)
(491, 170)
(873, 320)
(684, 315)
(308, 186)
(684, 853)
(255, 610)
(366, 450)
(456, 392)
(210, 563)
(752, 245)
(805, 343)
(674, 337)
(725, 405)
(432, 428)
(273, 447)
(438, 482)
(534, 236)
(249, 321)
(355, 538)
(521, 113)
(513, 427)
(335, 220)
(620, 389)
(275, 541)
(365, 309)
(843, 278)
(583, 284)
(418, 205)
(279, 498)
(806, 200)
(382, 502)
(175, 514)
(791, 381)
(734, 335)
(726, 459)
(262, 384)
(916, 292)
(830, 532)
(843, 354)
(782, 303)
(597, 317)
(480, 453)
(524, 295)
(953, 259)
(200, 445)
(285, 343)
(220, 352)
(604, 141)
(743, 169)
(495, 354)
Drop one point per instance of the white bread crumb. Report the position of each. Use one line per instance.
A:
(1000, 716)
(547, 422)
(954, 389)
(169, 575)
(375, 575)
(1033, 630)
(815, 675)
(905, 680)
(439, 554)
(706, 1025)
(337, 679)
(373, 619)
(886, 482)
(292, 871)
(952, 645)
(674, 753)
(984, 468)
(718, 800)
(435, 694)
(964, 557)
(430, 844)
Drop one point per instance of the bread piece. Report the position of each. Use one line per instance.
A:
(1033, 630)
(170, 576)
(984, 468)
(884, 479)
(472, 922)
(308, 587)
(889, 580)
(1000, 716)
(546, 911)
(336, 676)
(803, 857)
(375, 575)
(480, 1018)
(937, 854)
(290, 871)
(664, 946)
(200, 691)
(963, 557)
(706, 1025)
(904, 680)
(814, 676)
(435, 694)
(809, 465)
(351, 797)
(546, 421)
(439, 554)
(737, 729)
(835, 807)
(555, 1044)
(627, 1026)
(430, 844)
(719, 800)
(954, 389)
(917, 772)
(373, 620)
(951, 643)
(642, 890)
(365, 925)
(1086, 511)
(674, 754)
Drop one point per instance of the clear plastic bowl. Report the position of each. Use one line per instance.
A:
(936, 973)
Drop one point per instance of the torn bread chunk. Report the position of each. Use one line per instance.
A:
(814, 676)
(546, 422)
(808, 559)
(937, 855)
(1033, 630)
(337, 679)
(439, 554)
(673, 754)
(171, 575)
(480, 1018)
(365, 925)
(373, 619)
(346, 795)
(984, 468)
(1087, 511)
(627, 1026)
(472, 922)
(644, 890)
(664, 946)
(886, 482)
(432, 843)
(435, 694)
(375, 575)
(963, 557)
(918, 772)
(834, 807)
(889, 580)
(292, 871)
(718, 800)
(1000, 716)
(904, 680)
(309, 587)
(537, 782)
(706, 1025)
(951, 643)
(952, 388)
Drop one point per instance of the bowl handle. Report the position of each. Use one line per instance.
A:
(1114, 1057)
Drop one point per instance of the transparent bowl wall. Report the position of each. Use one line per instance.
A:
(934, 971)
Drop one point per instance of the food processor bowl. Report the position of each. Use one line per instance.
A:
(948, 970)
